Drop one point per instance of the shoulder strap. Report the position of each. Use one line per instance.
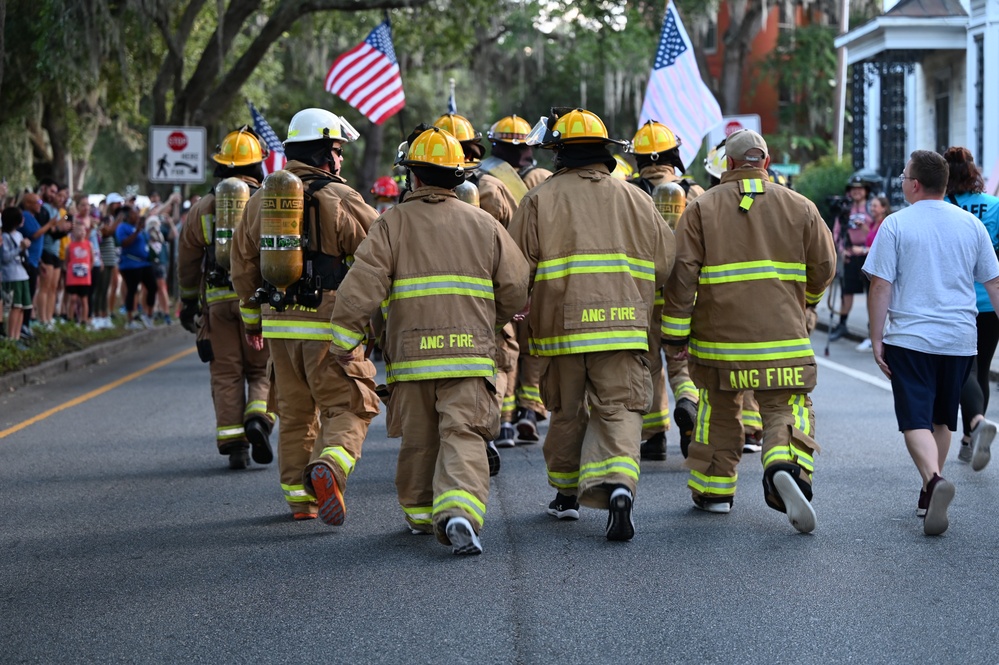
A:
(953, 199)
(643, 184)
(312, 211)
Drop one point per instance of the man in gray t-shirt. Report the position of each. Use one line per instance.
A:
(923, 265)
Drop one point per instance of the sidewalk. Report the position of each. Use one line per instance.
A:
(856, 326)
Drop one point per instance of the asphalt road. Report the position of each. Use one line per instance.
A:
(125, 538)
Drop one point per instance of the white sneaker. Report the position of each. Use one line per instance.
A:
(462, 536)
(799, 511)
(865, 345)
(981, 443)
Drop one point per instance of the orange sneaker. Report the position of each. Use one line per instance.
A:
(331, 507)
(298, 517)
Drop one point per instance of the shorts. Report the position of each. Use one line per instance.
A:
(854, 281)
(17, 294)
(159, 271)
(82, 290)
(926, 387)
(51, 260)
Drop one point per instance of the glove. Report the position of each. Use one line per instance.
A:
(189, 314)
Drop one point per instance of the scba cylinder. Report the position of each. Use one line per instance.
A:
(468, 193)
(231, 196)
(670, 201)
(281, 212)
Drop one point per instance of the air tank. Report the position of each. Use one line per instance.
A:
(281, 217)
(231, 196)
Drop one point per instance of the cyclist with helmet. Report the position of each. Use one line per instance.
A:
(315, 462)
(598, 251)
(239, 378)
(443, 308)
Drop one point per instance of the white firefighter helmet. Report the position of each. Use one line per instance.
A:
(315, 124)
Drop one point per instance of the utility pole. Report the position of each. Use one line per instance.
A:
(840, 115)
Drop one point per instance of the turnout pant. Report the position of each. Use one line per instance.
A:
(507, 351)
(596, 402)
(442, 470)
(240, 380)
(657, 419)
(318, 401)
(529, 374)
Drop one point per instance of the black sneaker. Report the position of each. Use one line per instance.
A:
(620, 525)
(507, 437)
(527, 427)
(922, 504)
(685, 415)
(493, 456)
(655, 448)
(564, 507)
(259, 434)
(837, 332)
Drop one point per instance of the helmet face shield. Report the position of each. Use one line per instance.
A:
(347, 131)
(537, 135)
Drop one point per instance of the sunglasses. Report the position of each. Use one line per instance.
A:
(338, 151)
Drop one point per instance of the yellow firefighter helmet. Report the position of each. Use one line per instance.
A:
(570, 126)
(458, 126)
(239, 148)
(511, 129)
(653, 138)
(436, 148)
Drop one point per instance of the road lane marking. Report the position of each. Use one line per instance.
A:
(857, 374)
(95, 393)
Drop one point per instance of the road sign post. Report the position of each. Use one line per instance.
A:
(177, 155)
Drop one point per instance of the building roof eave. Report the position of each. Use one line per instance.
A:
(904, 33)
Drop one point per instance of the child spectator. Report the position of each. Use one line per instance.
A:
(15, 277)
(79, 264)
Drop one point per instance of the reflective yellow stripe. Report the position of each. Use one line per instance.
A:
(207, 226)
(509, 404)
(463, 501)
(799, 409)
(751, 186)
(674, 327)
(219, 294)
(686, 389)
(346, 339)
(439, 368)
(296, 494)
(615, 465)
(814, 298)
(582, 264)
(702, 426)
(712, 485)
(229, 432)
(605, 340)
(655, 419)
(747, 271)
(343, 459)
(440, 285)
(660, 297)
(283, 329)
(189, 292)
(752, 419)
(256, 406)
(250, 316)
(419, 514)
(789, 453)
(563, 481)
(752, 351)
(529, 394)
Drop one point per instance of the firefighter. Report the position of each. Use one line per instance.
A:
(657, 152)
(754, 254)
(598, 251)
(442, 310)
(512, 161)
(386, 193)
(239, 376)
(311, 388)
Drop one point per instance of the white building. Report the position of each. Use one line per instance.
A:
(925, 75)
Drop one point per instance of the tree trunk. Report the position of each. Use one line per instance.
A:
(374, 140)
(744, 24)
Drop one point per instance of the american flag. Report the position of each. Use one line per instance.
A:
(275, 160)
(367, 76)
(676, 95)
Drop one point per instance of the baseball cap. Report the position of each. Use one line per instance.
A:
(114, 197)
(740, 143)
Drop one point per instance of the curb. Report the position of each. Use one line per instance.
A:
(89, 356)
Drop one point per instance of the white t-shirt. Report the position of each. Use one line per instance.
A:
(933, 253)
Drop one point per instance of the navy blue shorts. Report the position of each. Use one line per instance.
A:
(926, 386)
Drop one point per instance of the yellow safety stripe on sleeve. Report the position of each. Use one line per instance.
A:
(782, 349)
(257, 406)
(346, 339)
(752, 419)
(529, 394)
(702, 426)
(799, 410)
(751, 186)
(604, 340)
(655, 419)
(284, 329)
(814, 298)
(461, 500)
(229, 432)
(747, 271)
(419, 514)
(563, 481)
(250, 316)
(207, 228)
(343, 459)
(789, 453)
(674, 327)
(622, 465)
(509, 404)
(219, 294)
(712, 485)
(296, 494)
(583, 264)
(686, 390)
(441, 285)
(439, 368)
(189, 292)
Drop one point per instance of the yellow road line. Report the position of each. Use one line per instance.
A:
(94, 393)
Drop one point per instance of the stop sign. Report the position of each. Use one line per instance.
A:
(732, 127)
(177, 141)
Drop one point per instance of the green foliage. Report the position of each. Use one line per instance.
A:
(50, 344)
(823, 178)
